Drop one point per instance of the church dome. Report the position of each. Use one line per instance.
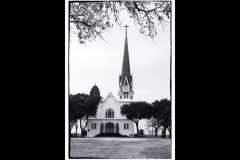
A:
(94, 91)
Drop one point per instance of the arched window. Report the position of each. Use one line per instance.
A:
(109, 113)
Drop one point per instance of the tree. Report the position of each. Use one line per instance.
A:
(94, 18)
(154, 123)
(136, 111)
(72, 113)
(157, 111)
(84, 106)
(89, 110)
(76, 127)
(167, 118)
(162, 112)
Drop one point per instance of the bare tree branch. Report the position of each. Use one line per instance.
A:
(94, 18)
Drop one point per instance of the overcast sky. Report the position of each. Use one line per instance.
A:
(101, 63)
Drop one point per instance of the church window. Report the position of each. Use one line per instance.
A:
(125, 95)
(126, 126)
(94, 125)
(109, 113)
(120, 97)
(130, 97)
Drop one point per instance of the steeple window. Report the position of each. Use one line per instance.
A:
(125, 95)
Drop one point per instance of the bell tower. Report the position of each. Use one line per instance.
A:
(125, 79)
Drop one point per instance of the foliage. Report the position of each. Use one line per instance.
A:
(161, 111)
(167, 117)
(154, 123)
(72, 111)
(136, 111)
(82, 106)
(94, 18)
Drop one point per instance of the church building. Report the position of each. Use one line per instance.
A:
(109, 118)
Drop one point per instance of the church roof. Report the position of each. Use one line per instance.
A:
(94, 91)
(110, 95)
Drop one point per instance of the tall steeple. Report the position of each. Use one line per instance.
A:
(125, 64)
(125, 79)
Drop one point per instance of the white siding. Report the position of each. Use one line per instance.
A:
(92, 132)
(110, 102)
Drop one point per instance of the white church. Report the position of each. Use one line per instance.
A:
(109, 118)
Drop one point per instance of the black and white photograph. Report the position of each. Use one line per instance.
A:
(119, 91)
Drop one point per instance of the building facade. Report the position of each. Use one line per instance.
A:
(109, 118)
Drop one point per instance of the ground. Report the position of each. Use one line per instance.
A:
(121, 148)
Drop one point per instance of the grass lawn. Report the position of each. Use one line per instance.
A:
(120, 148)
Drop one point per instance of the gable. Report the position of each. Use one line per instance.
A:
(110, 102)
(111, 96)
(126, 81)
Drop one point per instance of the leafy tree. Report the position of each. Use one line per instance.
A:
(72, 113)
(136, 111)
(158, 111)
(94, 18)
(84, 106)
(162, 112)
(154, 123)
(167, 118)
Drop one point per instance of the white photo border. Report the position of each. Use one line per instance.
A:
(67, 143)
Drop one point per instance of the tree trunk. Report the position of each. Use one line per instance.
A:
(170, 133)
(82, 131)
(70, 129)
(156, 131)
(81, 128)
(76, 131)
(164, 132)
(136, 122)
(82, 135)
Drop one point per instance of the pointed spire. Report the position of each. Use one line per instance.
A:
(126, 65)
(125, 79)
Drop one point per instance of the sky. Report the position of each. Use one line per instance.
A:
(101, 63)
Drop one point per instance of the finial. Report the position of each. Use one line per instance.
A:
(126, 27)
(95, 84)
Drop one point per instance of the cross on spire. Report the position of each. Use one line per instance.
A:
(126, 27)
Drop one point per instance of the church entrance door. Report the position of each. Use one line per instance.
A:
(109, 127)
